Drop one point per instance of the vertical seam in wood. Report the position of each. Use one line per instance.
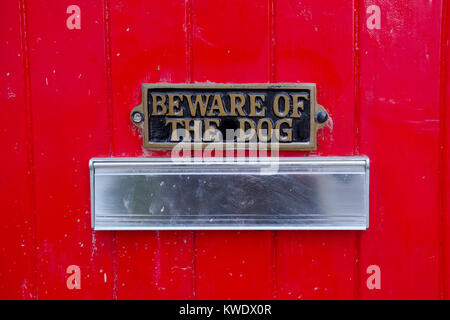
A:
(194, 268)
(108, 68)
(356, 77)
(272, 79)
(190, 77)
(274, 265)
(272, 68)
(357, 125)
(31, 181)
(442, 149)
(189, 35)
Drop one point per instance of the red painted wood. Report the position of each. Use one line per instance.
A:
(67, 96)
(16, 229)
(444, 117)
(314, 43)
(399, 79)
(148, 44)
(229, 264)
(70, 125)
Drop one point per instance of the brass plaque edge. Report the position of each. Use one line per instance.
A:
(314, 126)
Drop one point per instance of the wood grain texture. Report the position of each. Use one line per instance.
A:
(444, 168)
(230, 43)
(314, 43)
(399, 80)
(68, 95)
(148, 44)
(17, 254)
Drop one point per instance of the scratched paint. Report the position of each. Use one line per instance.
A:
(71, 74)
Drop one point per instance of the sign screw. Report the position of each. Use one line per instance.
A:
(321, 117)
(137, 117)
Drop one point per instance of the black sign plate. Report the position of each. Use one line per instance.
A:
(202, 114)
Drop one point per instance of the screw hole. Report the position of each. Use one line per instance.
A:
(321, 117)
(137, 117)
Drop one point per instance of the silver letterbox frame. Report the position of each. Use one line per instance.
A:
(309, 193)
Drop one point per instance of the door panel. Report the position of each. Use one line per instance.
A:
(148, 44)
(66, 96)
(444, 116)
(70, 125)
(230, 264)
(314, 43)
(399, 95)
(17, 254)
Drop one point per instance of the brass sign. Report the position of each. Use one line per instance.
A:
(204, 114)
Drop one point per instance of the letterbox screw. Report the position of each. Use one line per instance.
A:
(137, 117)
(321, 117)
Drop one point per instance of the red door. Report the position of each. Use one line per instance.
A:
(70, 73)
